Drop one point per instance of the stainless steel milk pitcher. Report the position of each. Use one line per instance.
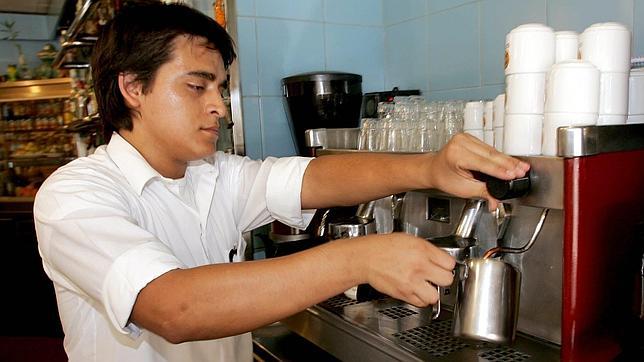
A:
(487, 296)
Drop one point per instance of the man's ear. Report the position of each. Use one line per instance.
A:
(131, 90)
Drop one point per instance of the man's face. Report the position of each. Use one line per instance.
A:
(180, 112)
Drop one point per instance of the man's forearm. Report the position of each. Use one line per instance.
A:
(350, 179)
(226, 299)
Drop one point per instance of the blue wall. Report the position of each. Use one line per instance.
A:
(278, 38)
(453, 49)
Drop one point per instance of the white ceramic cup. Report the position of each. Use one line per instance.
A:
(608, 46)
(613, 93)
(635, 118)
(473, 115)
(551, 122)
(573, 87)
(499, 110)
(529, 48)
(636, 91)
(488, 116)
(525, 93)
(566, 45)
(498, 138)
(478, 133)
(611, 119)
(522, 134)
(488, 137)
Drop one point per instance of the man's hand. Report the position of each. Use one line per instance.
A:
(449, 170)
(404, 267)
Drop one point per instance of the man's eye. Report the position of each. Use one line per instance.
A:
(196, 87)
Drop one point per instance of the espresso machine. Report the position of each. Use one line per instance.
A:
(581, 276)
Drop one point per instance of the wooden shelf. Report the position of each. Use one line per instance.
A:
(31, 90)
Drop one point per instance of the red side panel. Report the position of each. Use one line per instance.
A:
(603, 202)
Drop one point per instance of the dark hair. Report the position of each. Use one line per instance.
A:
(138, 40)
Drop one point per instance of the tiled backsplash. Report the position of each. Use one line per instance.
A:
(465, 39)
(278, 38)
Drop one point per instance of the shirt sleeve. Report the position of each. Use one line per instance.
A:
(284, 191)
(92, 246)
(266, 190)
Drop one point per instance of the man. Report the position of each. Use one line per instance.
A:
(140, 238)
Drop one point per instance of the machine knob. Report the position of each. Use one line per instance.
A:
(505, 189)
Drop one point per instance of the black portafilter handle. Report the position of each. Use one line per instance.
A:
(505, 189)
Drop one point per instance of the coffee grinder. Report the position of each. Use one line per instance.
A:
(315, 100)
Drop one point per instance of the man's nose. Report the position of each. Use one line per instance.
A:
(216, 105)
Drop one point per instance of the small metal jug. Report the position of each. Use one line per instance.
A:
(487, 296)
(487, 301)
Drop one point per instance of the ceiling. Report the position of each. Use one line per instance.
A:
(40, 7)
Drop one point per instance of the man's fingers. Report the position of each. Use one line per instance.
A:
(426, 293)
(440, 277)
(441, 258)
(490, 161)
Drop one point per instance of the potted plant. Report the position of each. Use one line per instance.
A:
(23, 71)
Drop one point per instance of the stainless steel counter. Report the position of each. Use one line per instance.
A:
(388, 329)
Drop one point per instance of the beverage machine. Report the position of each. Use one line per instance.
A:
(563, 253)
(315, 100)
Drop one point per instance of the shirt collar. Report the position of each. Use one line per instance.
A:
(138, 171)
(134, 167)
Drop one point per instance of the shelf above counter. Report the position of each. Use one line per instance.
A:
(32, 90)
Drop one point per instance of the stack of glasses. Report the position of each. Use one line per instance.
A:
(411, 124)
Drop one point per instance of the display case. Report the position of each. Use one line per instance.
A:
(34, 139)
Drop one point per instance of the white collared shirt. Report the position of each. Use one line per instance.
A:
(107, 225)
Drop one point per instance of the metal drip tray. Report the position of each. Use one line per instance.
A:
(434, 338)
(388, 329)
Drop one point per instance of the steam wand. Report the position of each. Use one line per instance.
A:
(501, 249)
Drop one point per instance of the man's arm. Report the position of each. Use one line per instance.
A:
(226, 299)
(351, 179)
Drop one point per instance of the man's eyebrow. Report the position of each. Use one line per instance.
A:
(201, 74)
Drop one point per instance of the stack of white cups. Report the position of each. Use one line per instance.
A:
(499, 115)
(608, 47)
(488, 123)
(530, 52)
(473, 115)
(636, 96)
(572, 99)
